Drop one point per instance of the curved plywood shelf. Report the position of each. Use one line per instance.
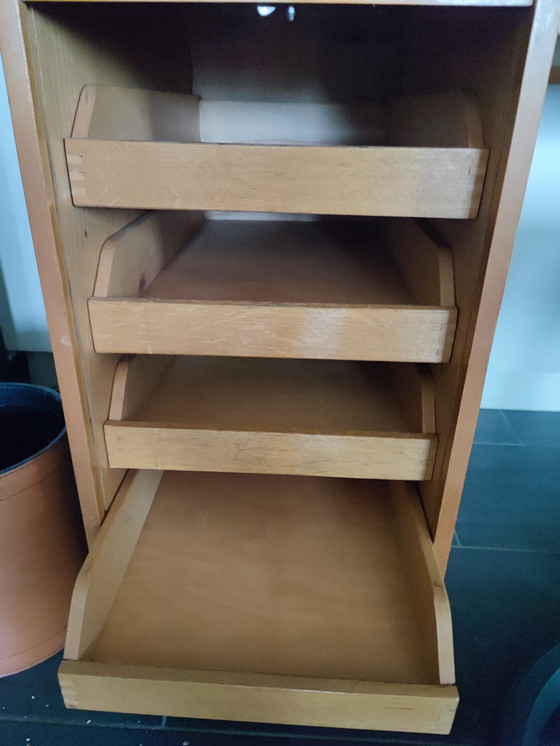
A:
(140, 149)
(171, 284)
(317, 418)
(204, 556)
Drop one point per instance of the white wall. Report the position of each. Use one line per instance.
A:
(524, 370)
(22, 314)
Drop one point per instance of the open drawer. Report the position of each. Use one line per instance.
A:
(306, 417)
(418, 157)
(171, 283)
(290, 600)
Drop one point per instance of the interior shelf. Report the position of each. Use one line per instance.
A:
(290, 599)
(418, 157)
(172, 284)
(316, 418)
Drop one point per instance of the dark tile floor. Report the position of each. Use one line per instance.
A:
(504, 586)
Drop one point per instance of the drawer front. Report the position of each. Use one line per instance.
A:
(407, 182)
(134, 446)
(395, 334)
(254, 698)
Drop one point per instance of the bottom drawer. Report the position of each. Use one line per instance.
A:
(282, 599)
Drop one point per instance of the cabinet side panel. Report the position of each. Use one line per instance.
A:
(33, 158)
(66, 51)
(518, 134)
(504, 61)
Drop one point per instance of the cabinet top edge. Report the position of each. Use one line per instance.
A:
(433, 3)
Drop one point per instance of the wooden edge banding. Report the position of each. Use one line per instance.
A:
(483, 156)
(258, 697)
(437, 3)
(445, 267)
(473, 122)
(427, 400)
(257, 680)
(116, 406)
(433, 603)
(134, 378)
(104, 568)
(446, 277)
(84, 112)
(444, 630)
(442, 610)
(172, 427)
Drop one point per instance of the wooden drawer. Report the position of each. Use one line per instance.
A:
(124, 152)
(316, 418)
(282, 599)
(170, 283)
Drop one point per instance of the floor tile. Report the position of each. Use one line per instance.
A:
(55, 734)
(254, 734)
(494, 427)
(34, 695)
(551, 734)
(535, 428)
(511, 498)
(506, 612)
(38, 734)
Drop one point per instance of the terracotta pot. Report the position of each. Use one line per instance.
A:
(41, 536)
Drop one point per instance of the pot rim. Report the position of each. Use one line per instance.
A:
(49, 394)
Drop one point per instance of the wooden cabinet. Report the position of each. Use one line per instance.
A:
(272, 254)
